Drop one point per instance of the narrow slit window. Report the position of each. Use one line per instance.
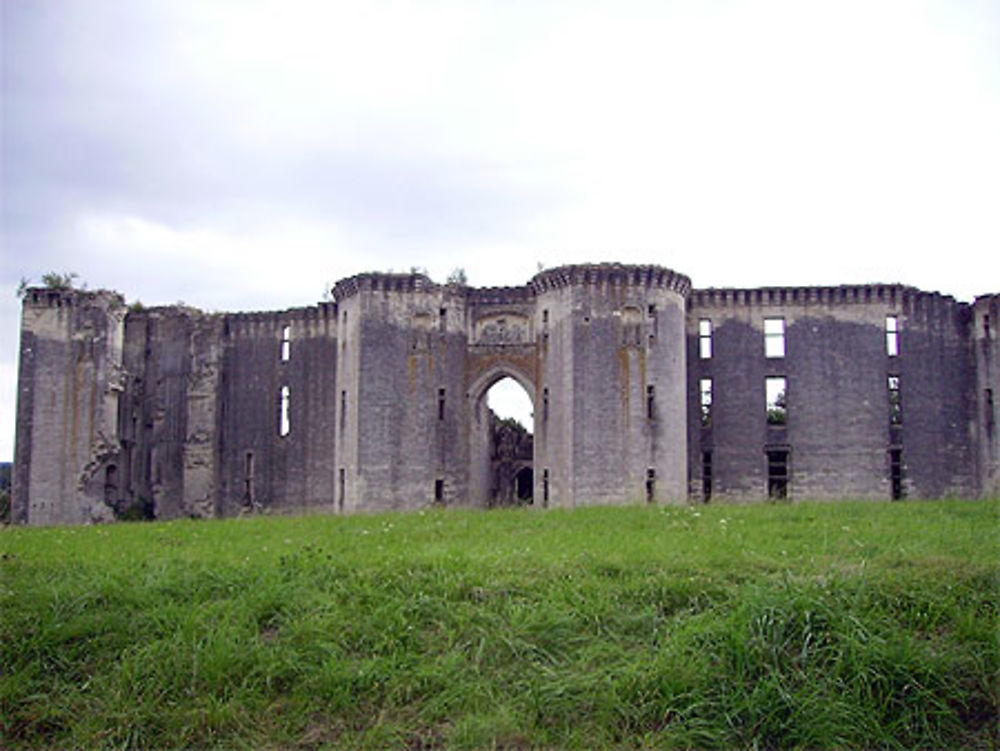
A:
(706, 476)
(650, 485)
(440, 404)
(774, 337)
(895, 401)
(706, 402)
(341, 483)
(286, 343)
(248, 478)
(438, 491)
(545, 404)
(705, 339)
(545, 487)
(776, 388)
(442, 319)
(343, 409)
(284, 423)
(891, 336)
(777, 474)
(650, 402)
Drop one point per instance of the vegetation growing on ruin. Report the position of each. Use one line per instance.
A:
(771, 626)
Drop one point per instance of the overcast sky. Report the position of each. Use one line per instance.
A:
(242, 155)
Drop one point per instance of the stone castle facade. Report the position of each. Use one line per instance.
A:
(644, 389)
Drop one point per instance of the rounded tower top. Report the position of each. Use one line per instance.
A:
(646, 275)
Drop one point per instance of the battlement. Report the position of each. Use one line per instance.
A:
(892, 295)
(48, 297)
(374, 281)
(500, 295)
(610, 273)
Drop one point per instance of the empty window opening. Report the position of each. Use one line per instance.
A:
(284, 422)
(545, 488)
(895, 401)
(545, 320)
(248, 469)
(440, 404)
(650, 485)
(891, 336)
(776, 388)
(343, 410)
(896, 473)
(341, 482)
(286, 343)
(654, 325)
(777, 473)
(650, 402)
(705, 339)
(442, 319)
(774, 337)
(706, 401)
(545, 404)
(439, 491)
(706, 476)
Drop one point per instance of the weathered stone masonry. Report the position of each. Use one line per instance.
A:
(643, 389)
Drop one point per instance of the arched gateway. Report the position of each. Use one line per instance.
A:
(599, 349)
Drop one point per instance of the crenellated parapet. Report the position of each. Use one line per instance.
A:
(893, 295)
(611, 274)
(382, 282)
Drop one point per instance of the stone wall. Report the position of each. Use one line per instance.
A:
(839, 435)
(378, 399)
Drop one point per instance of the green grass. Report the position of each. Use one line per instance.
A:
(771, 626)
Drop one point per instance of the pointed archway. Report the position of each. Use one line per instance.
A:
(501, 447)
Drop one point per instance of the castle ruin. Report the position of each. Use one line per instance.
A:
(644, 390)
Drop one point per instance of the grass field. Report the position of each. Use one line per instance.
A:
(769, 626)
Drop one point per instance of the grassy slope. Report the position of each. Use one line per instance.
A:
(776, 626)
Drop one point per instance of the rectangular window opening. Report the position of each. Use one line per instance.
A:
(706, 476)
(706, 402)
(442, 318)
(440, 404)
(545, 404)
(650, 402)
(545, 488)
(286, 343)
(341, 482)
(284, 423)
(774, 337)
(650, 485)
(343, 409)
(438, 491)
(705, 339)
(776, 388)
(891, 336)
(896, 473)
(777, 474)
(895, 401)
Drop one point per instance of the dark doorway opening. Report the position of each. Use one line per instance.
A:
(896, 473)
(777, 474)
(524, 482)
